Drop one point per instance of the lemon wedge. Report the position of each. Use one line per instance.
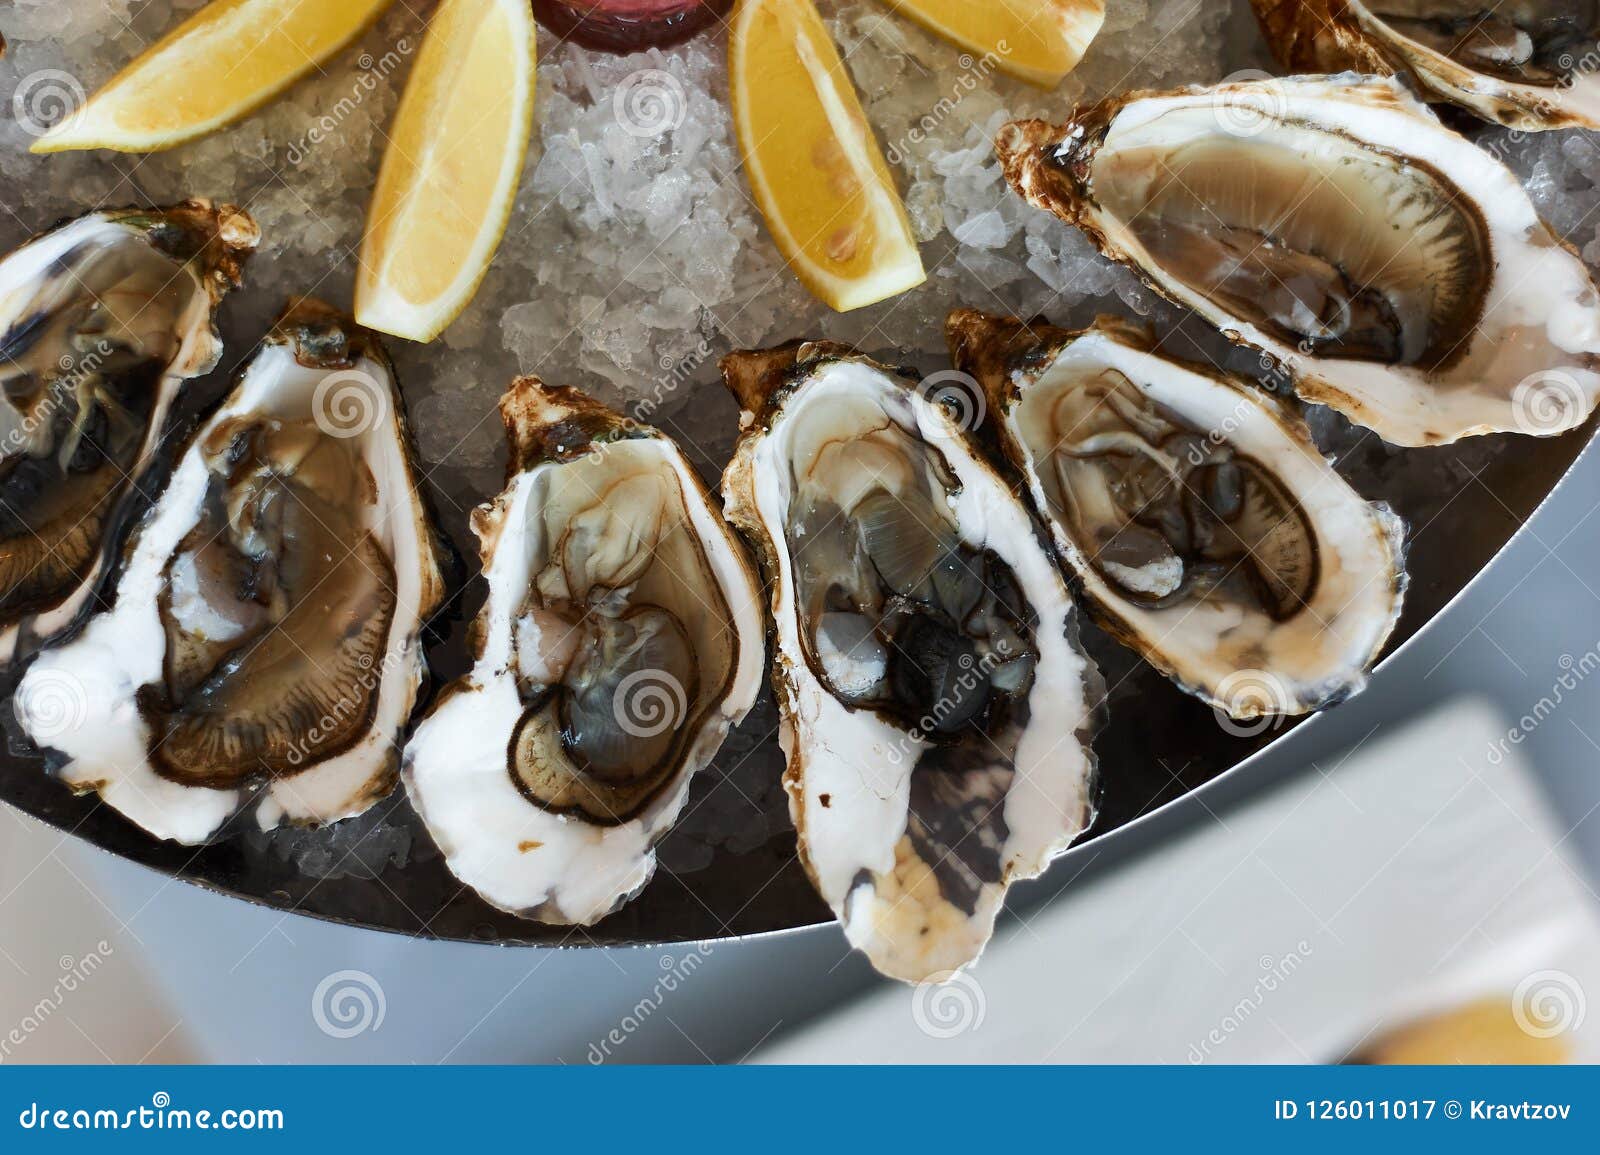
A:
(816, 171)
(1039, 41)
(451, 168)
(221, 64)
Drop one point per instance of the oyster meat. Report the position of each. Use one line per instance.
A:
(101, 321)
(266, 628)
(1397, 271)
(620, 640)
(1199, 519)
(936, 707)
(1527, 64)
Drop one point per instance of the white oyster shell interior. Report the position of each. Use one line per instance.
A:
(1398, 271)
(513, 771)
(911, 831)
(98, 675)
(1299, 604)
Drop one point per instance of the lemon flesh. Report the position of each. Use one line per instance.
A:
(1038, 41)
(451, 168)
(813, 165)
(218, 66)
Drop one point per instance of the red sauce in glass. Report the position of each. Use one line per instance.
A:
(628, 25)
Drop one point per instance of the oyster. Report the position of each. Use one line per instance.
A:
(1528, 64)
(620, 641)
(1398, 272)
(1198, 517)
(267, 622)
(936, 707)
(101, 321)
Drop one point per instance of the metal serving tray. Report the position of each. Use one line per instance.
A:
(730, 869)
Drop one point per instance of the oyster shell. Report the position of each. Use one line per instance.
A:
(266, 628)
(1527, 64)
(1398, 272)
(1199, 519)
(936, 707)
(620, 641)
(101, 321)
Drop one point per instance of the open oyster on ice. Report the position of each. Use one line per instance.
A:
(101, 321)
(1398, 272)
(620, 640)
(267, 616)
(936, 707)
(1528, 64)
(1201, 522)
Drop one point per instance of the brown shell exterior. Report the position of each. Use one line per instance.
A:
(216, 239)
(758, 378)
(325, 337)
(1317, 36)
(547, 422)
(1327, 36)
